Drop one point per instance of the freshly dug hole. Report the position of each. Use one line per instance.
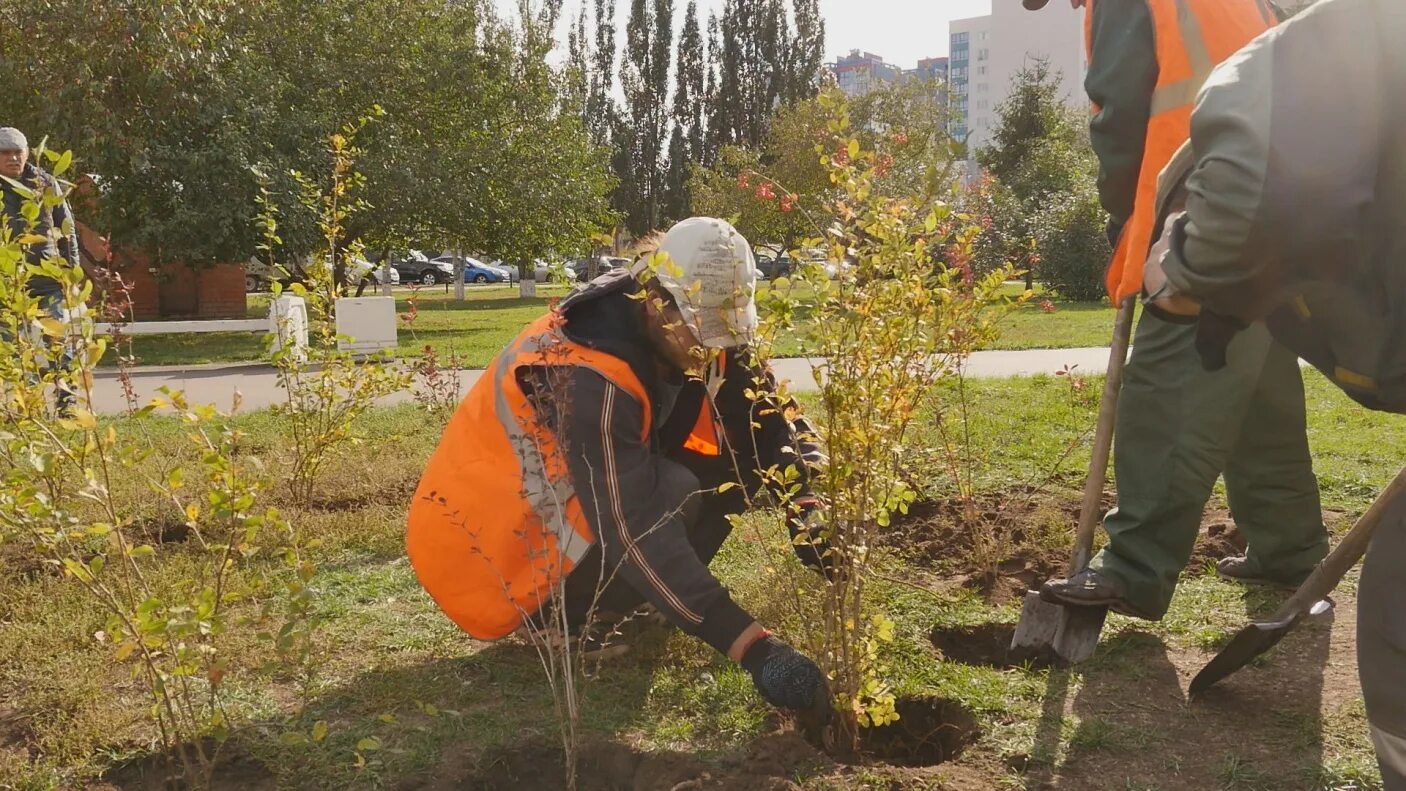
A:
(929, 731)
(234, 771)
(985, 645)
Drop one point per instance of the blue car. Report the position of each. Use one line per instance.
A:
(475, 271)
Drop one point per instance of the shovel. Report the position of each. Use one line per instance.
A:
(1073, 631)
(1309, 599)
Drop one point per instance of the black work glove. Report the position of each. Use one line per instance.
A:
(807, 536)
(788, 679)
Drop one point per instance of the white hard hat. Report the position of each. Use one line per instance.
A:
(708, 268)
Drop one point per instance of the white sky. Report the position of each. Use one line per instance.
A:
(900, 31)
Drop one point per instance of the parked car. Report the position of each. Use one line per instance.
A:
(513, 274)
(591, 267)
(476, 271)
(420, 268)
(258, 276)
(361, 269)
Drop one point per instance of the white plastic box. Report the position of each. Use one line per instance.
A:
(368, 323)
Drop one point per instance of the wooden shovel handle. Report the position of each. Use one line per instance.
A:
(1340, 561)
(1089, 511)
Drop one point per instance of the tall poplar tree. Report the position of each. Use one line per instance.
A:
(686, 141)
(649, 44)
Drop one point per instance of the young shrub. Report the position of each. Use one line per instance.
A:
(894, 311)
(328, 391)
(61, 469)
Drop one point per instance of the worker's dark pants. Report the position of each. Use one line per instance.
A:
(1179, 427)
(1381, 644)
(708, 527)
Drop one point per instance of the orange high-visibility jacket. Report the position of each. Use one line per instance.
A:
(496, 523)
(489, 567)
(1192, 37)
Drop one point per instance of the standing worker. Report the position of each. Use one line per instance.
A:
(1298, 218)
(593, 469)
(22, 182)
(1179, 427)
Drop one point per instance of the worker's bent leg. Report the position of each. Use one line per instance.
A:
(1381, 644)
(594, 590)
(1269, 477)
(1176, 425)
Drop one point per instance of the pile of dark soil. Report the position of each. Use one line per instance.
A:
(1008, 543)
(1000, 544)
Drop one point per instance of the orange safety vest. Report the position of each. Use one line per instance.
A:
(1192, 37)
(495, 523)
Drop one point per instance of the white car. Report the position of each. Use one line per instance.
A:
(361, 269)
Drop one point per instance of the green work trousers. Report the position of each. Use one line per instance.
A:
(1179, 428)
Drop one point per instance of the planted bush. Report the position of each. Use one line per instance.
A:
(889, 325)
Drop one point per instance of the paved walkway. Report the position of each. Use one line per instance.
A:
(258, 385)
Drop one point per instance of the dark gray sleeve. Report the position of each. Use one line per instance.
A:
(640, 505)
(68, 241)
(1122, 77)
(779, 430)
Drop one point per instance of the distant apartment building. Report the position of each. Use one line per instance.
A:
(987, 53)
(931, 69)
(858, 73)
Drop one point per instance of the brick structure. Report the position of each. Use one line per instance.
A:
(173, 290)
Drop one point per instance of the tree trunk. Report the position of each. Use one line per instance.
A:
(386, 272)
(459, 275)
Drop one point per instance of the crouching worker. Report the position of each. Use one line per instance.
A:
(589, 461)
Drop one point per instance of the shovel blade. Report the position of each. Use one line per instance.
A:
(1078, 633)
(1035, 632)
(1242, 649)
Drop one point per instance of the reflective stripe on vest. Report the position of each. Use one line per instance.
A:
(1191, 37)
(495, 523)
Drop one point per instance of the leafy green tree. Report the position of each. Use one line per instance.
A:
(1040, 156)
(784, 207)
(183, 109)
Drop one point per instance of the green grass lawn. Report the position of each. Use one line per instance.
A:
(489, 317)
(439, 705)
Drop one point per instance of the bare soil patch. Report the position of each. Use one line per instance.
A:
(395, 492)
(234, 771)
(1000, 544)
(768, 765)
(1004, 544)
(929, 731)
(985, 645)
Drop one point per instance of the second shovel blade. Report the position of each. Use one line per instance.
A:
(1242, 649)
